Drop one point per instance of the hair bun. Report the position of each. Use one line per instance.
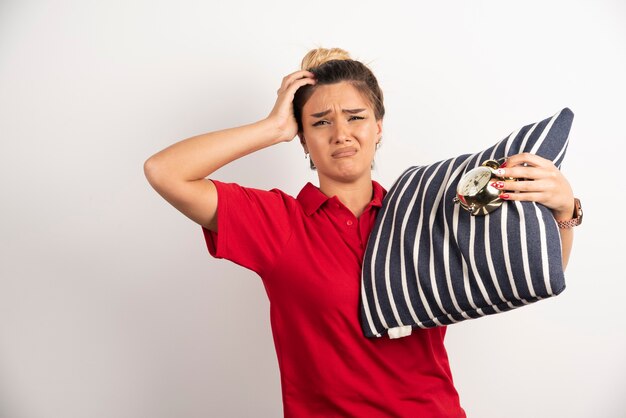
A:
(316, 57)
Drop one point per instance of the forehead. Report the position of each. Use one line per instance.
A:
(328, 96)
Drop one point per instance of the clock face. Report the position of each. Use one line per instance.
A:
(474, 181)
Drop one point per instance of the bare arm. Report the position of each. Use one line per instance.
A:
(567, 239)
(178, 173)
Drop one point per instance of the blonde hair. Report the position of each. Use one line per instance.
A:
(316, 57)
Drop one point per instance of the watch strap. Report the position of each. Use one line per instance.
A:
(578, 217)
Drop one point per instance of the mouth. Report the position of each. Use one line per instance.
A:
(344, 152)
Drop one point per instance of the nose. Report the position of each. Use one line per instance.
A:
(341, 132)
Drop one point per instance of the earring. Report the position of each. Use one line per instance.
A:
(306, 157)
(378, 144)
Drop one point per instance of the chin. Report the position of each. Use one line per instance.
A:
(350, 174)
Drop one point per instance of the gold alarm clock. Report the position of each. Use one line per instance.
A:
(475, 193)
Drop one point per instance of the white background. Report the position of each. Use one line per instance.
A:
(110, 305)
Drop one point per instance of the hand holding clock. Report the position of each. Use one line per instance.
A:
(540, 181)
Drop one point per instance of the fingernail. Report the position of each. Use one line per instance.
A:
(503, 164)
(498, 184)
(499, 172)
(504, 196)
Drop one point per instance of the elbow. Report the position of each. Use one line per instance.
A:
(153, 171)
(149, 168)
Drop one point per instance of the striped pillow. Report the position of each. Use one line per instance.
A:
(429, 263)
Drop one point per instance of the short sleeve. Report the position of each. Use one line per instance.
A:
(252, 225)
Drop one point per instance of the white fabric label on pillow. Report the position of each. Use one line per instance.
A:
(399, 332)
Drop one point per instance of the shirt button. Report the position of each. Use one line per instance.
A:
(349, 223)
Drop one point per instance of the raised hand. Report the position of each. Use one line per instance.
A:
(282, 114)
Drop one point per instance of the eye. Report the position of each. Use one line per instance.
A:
(356, 118)
(320, 122)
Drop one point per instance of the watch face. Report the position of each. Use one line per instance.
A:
(474, 181)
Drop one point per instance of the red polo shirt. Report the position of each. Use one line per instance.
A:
(308, 251)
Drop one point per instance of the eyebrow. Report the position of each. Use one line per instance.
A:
(325, 112)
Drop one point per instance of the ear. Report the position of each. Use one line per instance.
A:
(379, 132)
(303, 142)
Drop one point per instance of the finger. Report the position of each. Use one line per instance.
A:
(520, 172)
(523, 197)
(527, 158)
(290, 90)
(289, 79)
(524, 186)
(299, 82)
(296, 75)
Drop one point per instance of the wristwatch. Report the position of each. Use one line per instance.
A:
(578, 217)
(474, 191)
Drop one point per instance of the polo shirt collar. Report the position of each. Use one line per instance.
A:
(311, 198)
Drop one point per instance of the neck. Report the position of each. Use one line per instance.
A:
(354, 195)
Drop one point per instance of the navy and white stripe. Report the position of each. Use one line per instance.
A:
(429, 264)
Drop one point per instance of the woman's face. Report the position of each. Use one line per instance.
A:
(340, 132)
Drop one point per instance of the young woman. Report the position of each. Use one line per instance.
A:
(308, 249)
